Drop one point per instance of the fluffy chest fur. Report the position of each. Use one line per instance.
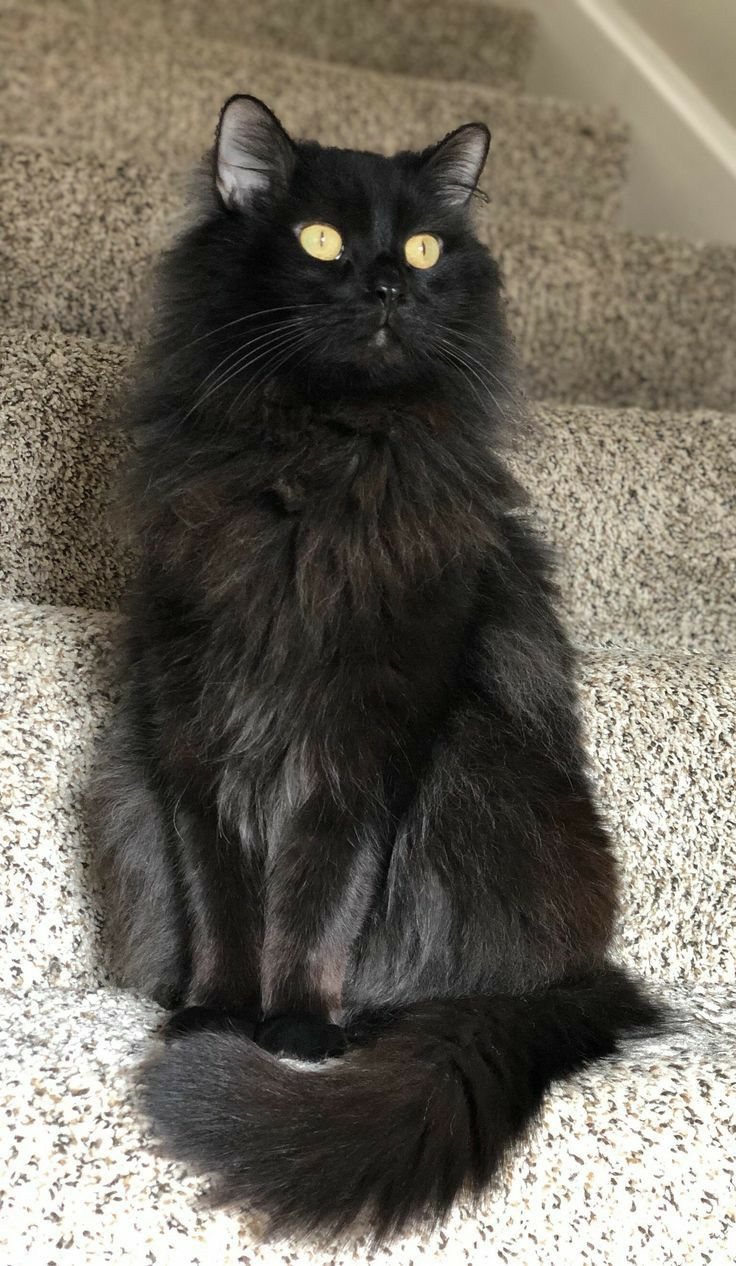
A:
(323, 577)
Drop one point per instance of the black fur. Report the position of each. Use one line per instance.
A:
(395, 1129)
(344, 810)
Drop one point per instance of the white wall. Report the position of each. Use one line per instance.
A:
(682, 176)
(700, 35)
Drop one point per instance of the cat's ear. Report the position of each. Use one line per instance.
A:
(253, 153)
(455, 164)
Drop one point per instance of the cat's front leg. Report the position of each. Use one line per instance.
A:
(221, 875)
(320, 878)
(221, 878)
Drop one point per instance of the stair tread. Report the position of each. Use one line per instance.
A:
(489, 42)
(654, 1122)
(660, 735)
(638, 503)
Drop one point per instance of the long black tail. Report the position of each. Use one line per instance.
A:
(391, 1133)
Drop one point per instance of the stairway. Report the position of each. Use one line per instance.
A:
(629, 348)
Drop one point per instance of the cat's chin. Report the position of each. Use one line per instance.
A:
(381, 347)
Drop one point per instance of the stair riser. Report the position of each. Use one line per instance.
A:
(641, 508)
(61, 540)
(645, 720)
(620, 318)
(660, 732)
(489, 44)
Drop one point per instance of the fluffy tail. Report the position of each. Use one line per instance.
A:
(391, 1133)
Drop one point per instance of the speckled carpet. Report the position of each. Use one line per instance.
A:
(629, 347)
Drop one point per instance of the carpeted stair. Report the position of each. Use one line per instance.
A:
(629, 348)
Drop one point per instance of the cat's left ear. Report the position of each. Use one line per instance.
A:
(456, 163)
(253, 153)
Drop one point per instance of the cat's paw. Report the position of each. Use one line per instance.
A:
(303, 1037)
(194, 1019)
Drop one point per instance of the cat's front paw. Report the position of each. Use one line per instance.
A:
(305, 1037)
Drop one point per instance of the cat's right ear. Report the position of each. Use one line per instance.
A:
(253, 153)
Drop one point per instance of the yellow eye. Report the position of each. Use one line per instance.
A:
(423, 250)
(321, 241)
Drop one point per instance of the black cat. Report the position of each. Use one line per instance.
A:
(344, 814)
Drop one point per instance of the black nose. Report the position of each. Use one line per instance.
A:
(389, 292)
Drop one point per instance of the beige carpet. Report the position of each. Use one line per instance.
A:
(629, 346)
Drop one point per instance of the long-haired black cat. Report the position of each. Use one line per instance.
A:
(344, 814)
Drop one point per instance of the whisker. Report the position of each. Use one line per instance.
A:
(274, 340)
(273, 326)
(454, 364)
(457, 355)
(269, 369)
(460, 346)
(249, 316)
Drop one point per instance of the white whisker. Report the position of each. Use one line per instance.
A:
(461, 362)
(273, 342)
(272, 327)
(271, 368)
(249, 316)
(459, 345)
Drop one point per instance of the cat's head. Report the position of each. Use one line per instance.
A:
(338, 269)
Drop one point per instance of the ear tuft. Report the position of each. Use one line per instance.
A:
(253, 153)
(456, 163)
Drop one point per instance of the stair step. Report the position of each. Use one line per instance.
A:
(76, 240)
(60, 541)
(488, 44)
(56, 686)
(661, 733)
(620, 317)
(639, 504)
(611, 317)
(161, 105)
(651, 1126)
(602, 316)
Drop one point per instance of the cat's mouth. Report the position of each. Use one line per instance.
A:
(385, 334)
(378, 342)
(386, 343)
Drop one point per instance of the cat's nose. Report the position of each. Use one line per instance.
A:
(389, 292)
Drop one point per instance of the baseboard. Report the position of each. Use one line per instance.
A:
(682, 176)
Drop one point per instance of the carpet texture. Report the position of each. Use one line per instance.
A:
(640, 505)
(487, 44)
(629, 349)
(161, 105)
(620, 318)
(636, 1148)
